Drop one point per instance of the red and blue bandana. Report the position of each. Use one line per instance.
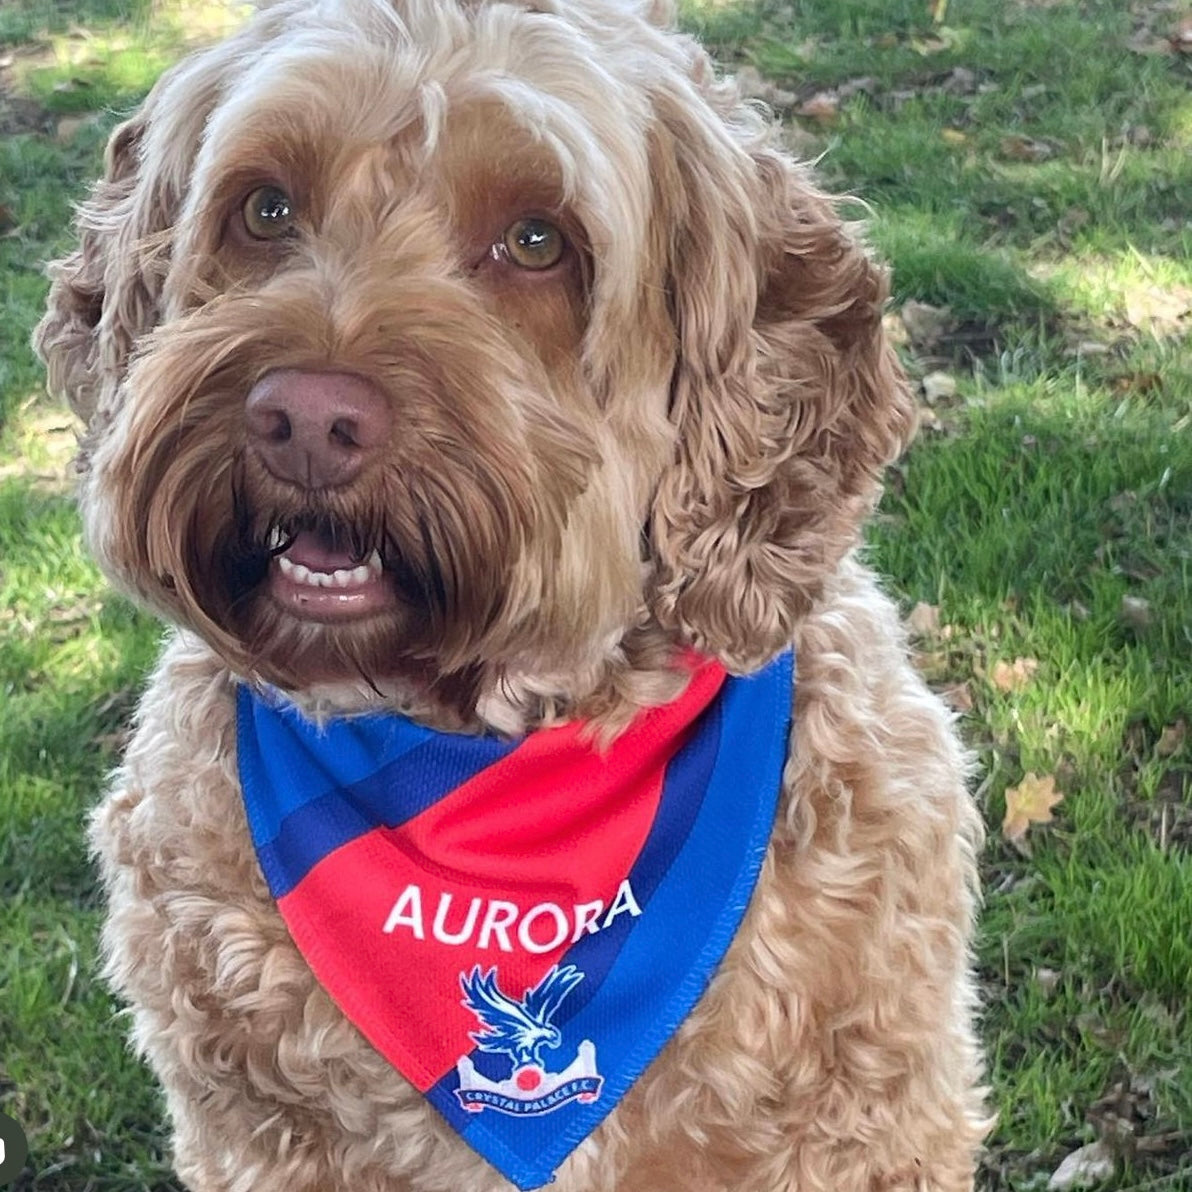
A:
(519, 926)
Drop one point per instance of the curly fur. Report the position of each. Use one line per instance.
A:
(670, 442)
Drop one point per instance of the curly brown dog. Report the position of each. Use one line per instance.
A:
(482, 361)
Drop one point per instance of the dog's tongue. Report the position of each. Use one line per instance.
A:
(314, 552)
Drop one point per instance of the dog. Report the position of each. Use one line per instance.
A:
(488, 365)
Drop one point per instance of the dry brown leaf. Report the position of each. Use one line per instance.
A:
(937, 386)
(933, 665)
(1159, 308)
(1083, 1168)
(823, 108)
(751, 85)
(961, 81)
(958, 697)
(1047, 980)
(1136, 612)
(1145, 42)
(1137, 383)
(924, 323)
(924, 620)
(1181, 39)
(1030, 802)
(862, 85)
(933, 45)
(1013, 676)
(1171, 739)
(1019, 148)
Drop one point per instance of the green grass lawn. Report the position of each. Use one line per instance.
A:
(1027, 166)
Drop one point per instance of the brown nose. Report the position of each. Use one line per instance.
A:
(316, 429)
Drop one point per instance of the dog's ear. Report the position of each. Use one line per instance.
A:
(786, 398)
(104, 294)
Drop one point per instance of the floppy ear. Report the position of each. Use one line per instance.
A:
(787, 400)
(104, 294)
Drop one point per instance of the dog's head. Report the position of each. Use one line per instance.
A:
(440, 341)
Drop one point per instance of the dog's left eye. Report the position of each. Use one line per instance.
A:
(268, 213)
(533, 243)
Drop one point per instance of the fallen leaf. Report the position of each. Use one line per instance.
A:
(67, 127)
(895, 329)
(752, 86)
(938, 385)
(823, 107)
(1158, 308)
(1136, 612)
(1047, 980)
(958, 697)
(1020, 148)
(866, 85)
(961, 81)
(1013, 676)
(1143, 41)
(1181, 39)
(1137, 382)
(933, 665)
(750, 82)
(927, 419)
(953, 136)
(924, 620)
(926, 45)
(1030, 802)
(1171, 739)
(925, 324)
(1083, 1168)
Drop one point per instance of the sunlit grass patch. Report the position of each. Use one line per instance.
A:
(111, 65)
(1149, 293)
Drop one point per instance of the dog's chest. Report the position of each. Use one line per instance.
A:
(227, 973)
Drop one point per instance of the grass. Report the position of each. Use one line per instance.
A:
(1027, 171)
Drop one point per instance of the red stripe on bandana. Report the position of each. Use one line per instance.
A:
(505, 870)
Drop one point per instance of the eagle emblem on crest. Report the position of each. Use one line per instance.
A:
(521, 1029)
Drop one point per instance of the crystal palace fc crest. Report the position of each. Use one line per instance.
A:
(520, 1030)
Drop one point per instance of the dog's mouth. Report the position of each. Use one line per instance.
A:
(315, 576)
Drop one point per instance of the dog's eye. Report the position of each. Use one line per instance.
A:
(534, 243)
(268, 213)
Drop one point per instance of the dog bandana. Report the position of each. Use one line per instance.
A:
(518, 926)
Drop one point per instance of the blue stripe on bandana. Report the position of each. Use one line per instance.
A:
(328, 805)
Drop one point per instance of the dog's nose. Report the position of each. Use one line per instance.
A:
(316, 429)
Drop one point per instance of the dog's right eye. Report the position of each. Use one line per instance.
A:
(268, 214)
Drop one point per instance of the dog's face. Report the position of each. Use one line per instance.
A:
(443, 342)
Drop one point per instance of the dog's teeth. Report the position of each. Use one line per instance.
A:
(341, 577)
(276, 538)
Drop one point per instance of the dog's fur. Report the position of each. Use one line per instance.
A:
(668, 440)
